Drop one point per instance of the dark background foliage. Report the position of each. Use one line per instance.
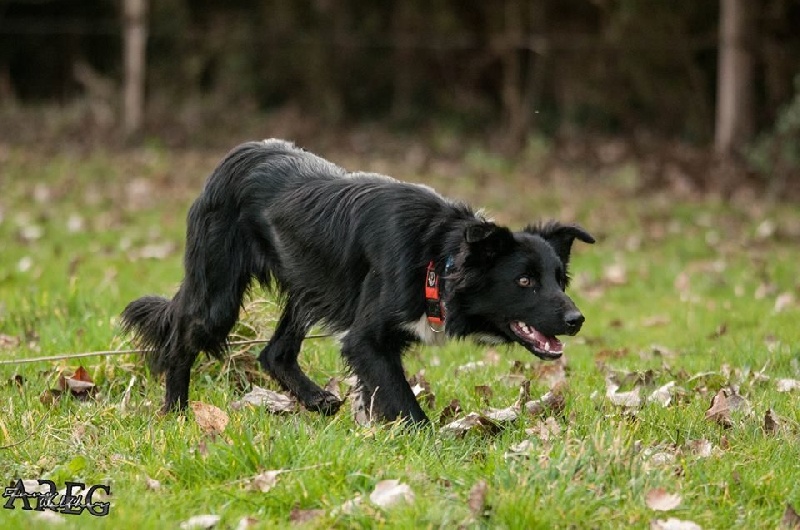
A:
(503, 69)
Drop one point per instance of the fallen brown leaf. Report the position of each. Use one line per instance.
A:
(422, 389)
(476, 502)
(553, 373)
(674, 524)
(485, 392)
(298, 515)
(506, 415)
(450, 411)
(524, 393)
(787, 385)
(201, 522)
(246, 522)
(721, 330)
(211, 419)
(662, 395)
(771, 422)
(274, 402)
(79, 384)
(631, 399)
(545, 430)
(660, 500)
(8, 342)
(790, 519)
(552, 403)
(720, 411)
(472, 422)
(700, 448)
(388, 493)
(50, 397)
(783, 301)
(265, 481)
(522, 449)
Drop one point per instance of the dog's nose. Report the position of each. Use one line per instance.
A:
(574, 321)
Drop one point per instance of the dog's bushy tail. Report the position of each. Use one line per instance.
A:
(220, 263)
(149, 319)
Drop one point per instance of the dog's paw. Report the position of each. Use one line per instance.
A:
(324, 403)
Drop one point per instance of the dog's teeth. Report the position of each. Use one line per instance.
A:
(547, 346)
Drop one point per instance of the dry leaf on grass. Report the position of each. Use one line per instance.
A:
(200, 522)
(674, 524)
(787, 385)
(472, 422)
(476, 501)
(662, 395)
(771, 422)
(720, 411)
(8, 342)
(265, 481)
(553, 373)
(274, 402)
(449, 412)
(506, 415)
(552, 403)
(152, 484)
(660, 500)
(700, 448)
(545, 430)
(485, 392)
(783, 301)
(246, 522)
(631, 399)
(79, 384)
(790, 519)
(298, 515)
(725, 401)
(348, 507)
(390, 492)
(211, 419)
(422, 389)
(522, 449)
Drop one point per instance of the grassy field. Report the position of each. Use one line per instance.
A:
(685, 294)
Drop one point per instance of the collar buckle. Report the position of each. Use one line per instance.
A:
(434, 307)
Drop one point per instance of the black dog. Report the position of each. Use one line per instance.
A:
(382, 262)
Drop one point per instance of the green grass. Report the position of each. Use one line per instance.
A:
(76, 230)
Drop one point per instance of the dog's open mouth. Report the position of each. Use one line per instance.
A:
(537, 342)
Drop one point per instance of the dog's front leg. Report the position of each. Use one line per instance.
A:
(376, 359)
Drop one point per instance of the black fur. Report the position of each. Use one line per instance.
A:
(350, 251)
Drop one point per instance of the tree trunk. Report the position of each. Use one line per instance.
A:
(516, 115)
(134, 58)
(734, 124)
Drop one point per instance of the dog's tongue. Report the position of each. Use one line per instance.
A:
(539, 340)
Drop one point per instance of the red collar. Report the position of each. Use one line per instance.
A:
(434, 307)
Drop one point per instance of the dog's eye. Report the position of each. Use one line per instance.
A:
(525, 281)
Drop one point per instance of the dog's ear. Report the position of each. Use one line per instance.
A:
(561, 237)
(486, 241)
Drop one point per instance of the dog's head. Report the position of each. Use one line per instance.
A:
(510, 285)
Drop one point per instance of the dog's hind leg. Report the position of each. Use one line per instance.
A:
(177, 382)
(279, 359)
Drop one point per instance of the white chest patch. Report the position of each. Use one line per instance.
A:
(422, 329)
